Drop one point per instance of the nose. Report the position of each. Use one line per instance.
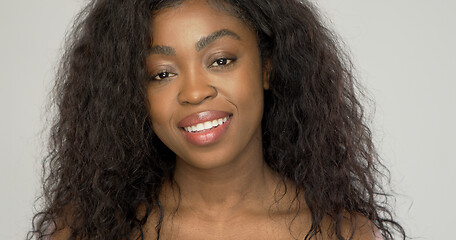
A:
(196, 89)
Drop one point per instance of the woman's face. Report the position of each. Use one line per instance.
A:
(206, 85)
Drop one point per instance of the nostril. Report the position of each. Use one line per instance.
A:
(215, 89)
(196, 94)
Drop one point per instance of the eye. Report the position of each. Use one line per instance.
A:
(162, 76)
(221, 62)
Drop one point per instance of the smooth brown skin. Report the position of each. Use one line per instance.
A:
(227, 190)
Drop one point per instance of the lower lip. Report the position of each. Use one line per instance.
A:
(207, 137)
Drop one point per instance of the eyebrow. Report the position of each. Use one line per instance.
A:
(162, 50)
(202, 43)
(205, 41)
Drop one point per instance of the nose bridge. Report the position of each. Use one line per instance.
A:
(195, 87)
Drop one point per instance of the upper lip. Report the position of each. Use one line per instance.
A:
(201, 117)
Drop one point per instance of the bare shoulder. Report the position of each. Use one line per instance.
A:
(62, 234)
(59, 228)
(363, 228)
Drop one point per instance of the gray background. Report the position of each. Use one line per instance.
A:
(405, 55)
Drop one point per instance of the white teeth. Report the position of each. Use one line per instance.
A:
(206, 125)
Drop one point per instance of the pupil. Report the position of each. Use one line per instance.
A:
(221, 61)
(163, 75)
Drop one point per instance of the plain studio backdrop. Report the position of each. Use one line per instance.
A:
(404, 53)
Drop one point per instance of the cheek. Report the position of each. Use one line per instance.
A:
(158, 109)
(250, 89)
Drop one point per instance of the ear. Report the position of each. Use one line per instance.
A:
(266, 73)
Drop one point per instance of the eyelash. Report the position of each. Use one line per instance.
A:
(154, 77)
(226, 63)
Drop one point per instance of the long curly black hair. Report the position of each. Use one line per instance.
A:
(104, 160)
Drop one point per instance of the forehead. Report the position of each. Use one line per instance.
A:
(193, 8)
(195, 17)
(217, 5)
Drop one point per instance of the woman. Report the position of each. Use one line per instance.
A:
(209, 119)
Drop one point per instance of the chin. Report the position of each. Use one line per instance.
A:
(205, 162)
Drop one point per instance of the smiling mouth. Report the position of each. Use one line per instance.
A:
(206, 126)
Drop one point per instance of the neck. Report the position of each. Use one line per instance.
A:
(245, 183)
